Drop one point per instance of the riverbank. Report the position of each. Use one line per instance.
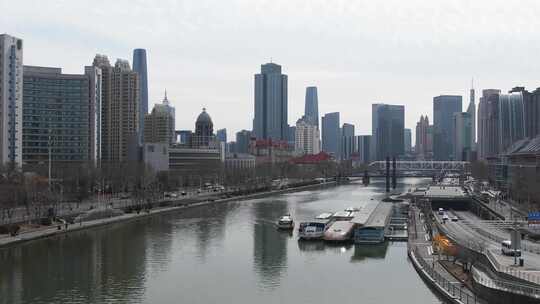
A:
(52, 231)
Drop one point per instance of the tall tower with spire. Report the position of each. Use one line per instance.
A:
(471, 110)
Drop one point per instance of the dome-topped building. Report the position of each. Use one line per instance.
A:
(204, 128)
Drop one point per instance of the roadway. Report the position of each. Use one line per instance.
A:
(472, 232)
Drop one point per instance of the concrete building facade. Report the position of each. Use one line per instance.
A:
(307, 137)
(120, 109)
(57, 116)
(11, 99)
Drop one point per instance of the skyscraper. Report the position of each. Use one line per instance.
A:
(139, 66)
(331, 134)
(120, 109)
(307, 137)
(242, 141)
(511, 118)
(462, 136)
(388, 124)
(270, 121)
(471, 110)
(532, 114)
(407, 140)
(347, 140)
(424, 139)
(65, 132)
(488, 123)
(444, 107)
(221, 135)
(363, 143)
(11, 99)
(311, 110)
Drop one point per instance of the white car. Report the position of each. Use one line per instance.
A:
(454, 218)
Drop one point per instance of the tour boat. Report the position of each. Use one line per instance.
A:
(285, 222)
(315, 229)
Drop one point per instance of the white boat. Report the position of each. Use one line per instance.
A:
(315, 229)
(285, 222)
(352, 209)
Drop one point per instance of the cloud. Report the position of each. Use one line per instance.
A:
(206, 52)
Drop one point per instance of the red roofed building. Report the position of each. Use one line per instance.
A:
(312, 159)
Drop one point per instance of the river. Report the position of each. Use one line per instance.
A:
(220, 253)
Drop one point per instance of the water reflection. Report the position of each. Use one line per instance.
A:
(269, 244)
(212, 254)
(372, 251)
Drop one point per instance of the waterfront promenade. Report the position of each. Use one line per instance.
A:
(175, 205)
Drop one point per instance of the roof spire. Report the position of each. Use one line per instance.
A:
(165, 100)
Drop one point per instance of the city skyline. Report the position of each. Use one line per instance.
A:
(187, 76)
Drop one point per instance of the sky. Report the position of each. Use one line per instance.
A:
(205, 53)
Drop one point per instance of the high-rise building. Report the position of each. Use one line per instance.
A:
(388, 124)
(311, 110)
(407, 140)
(462, 136)
(531, 108)
(242, 141)
(159, 125)
(488, 123)
(511, 118)
(363, 143)
(120, 109)
(307, 137)
(472, 114)
(140, 67)
(444, 107)
(270, 121)
(221, 135)
(95, 77)
(347, 140)
(331, 134)
(64, 133)
(424, 139)
(11, 99)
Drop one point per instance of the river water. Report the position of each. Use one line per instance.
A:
(222, 253)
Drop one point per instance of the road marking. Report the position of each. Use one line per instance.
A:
(430, 250)
(426, 237)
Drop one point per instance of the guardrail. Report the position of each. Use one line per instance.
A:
(504, 285)
(481, 249)
(458, 292)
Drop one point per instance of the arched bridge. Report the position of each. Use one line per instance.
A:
(434, 166)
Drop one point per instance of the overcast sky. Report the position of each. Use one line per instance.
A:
(205, 53)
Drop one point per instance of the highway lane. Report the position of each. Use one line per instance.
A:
(468, 236)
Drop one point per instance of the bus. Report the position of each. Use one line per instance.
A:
(506, 249)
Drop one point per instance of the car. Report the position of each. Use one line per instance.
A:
(441, 211)
(184, 193)
(174, 195)
(454, 218)
(199, 190)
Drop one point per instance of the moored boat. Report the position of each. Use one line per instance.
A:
(285, 222)
(315, 229)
